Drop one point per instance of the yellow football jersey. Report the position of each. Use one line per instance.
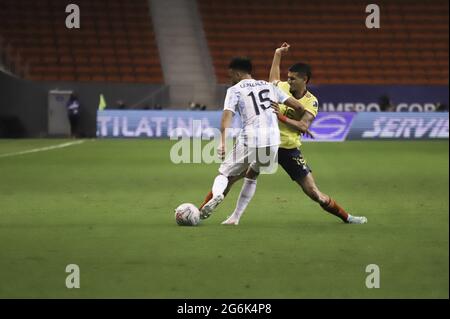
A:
(290, 138)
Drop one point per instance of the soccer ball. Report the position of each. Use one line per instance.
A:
(187, 215)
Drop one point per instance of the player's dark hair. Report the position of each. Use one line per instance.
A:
(302, 69)
(243, 64)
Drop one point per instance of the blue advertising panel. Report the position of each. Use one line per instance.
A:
(331, 127)
(159, 124)
(395, 125)
(206, 124)
(328, 126)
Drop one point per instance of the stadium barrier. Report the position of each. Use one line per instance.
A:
(327, 127)
(392, 125)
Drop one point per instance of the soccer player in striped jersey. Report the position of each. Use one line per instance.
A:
(257, 143)
(292, 124)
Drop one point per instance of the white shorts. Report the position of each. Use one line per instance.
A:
(261, 160)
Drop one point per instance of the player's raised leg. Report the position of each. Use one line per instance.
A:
(216, 196)
(231, 181)
(234, 165)
(310, 188)
(207, 199)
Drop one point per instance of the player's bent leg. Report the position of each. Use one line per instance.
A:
(219, 186)
(209, 207)
(251, 173)
(231, 181)
(309, 187)
(233, 165)
(247, 192)
(326, 202)
(207, 199)
(249, 185)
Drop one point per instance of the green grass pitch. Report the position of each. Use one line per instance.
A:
(107, 206)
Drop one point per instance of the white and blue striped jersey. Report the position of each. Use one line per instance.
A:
(251, 99)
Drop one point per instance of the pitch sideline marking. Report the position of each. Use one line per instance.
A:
(42, 149)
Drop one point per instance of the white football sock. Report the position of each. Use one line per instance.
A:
(246, 195)
(220, 184)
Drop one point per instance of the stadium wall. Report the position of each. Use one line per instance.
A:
(402, 98)
(22, 107)
(23, 104)
(367, 98)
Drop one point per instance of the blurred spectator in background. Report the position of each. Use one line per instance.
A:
(73, 112)
(193, 106)
(440, 107)
(386, 104)
(197, 106)
(120, 104)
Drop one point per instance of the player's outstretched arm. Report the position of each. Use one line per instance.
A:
(227, 118)
(275, 69)
(295, 104)
(302, 126)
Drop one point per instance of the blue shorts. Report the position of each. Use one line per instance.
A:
(293, 163)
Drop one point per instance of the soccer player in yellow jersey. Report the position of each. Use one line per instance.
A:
(292, 125)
